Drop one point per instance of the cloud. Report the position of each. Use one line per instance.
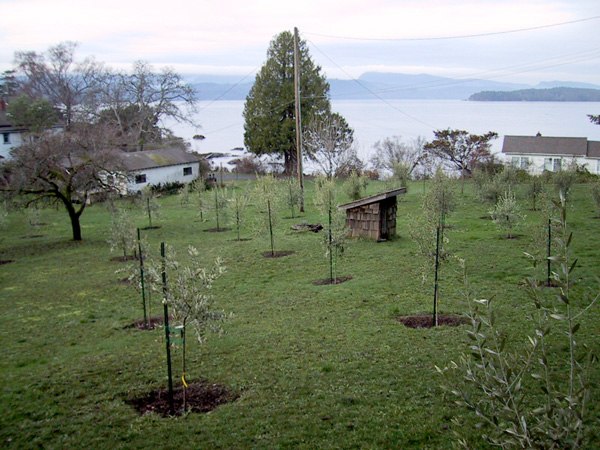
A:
(234, 34)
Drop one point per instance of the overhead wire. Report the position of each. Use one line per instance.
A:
(465, 36)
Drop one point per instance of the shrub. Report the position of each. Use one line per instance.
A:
(356, 186)
(168, 188)
(507, 213)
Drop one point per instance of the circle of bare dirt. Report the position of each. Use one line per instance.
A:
(278, 254)
(153, 322)
(216, 230)
(124, 258)
(200, 396)
(426, 321)
(329, 281)
(6, 261)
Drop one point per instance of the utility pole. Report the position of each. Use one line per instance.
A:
(298, 117)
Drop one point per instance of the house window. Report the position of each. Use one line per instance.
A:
(187, 171)
(552, 164)
(141, 178)
(520, 162)
(6, 138)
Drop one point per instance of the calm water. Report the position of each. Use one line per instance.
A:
(222, 123)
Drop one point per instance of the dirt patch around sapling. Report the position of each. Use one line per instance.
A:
(124, 258)
(278, 254)
(329, 281)
(426, 320)
(153, 322)
(200, 397)
(216, 230)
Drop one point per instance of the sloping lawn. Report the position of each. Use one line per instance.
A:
(312, 366)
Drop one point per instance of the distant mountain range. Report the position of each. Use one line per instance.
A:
(378, 85)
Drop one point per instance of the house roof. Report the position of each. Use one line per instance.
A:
(545, 145)
(373, 199)
(593, 149)
(149, 159)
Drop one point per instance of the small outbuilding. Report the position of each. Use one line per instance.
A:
(373, 217)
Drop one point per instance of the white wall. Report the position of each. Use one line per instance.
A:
(163, 175)
(537, 162)
(14, 140)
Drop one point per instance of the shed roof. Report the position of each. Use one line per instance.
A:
(149, 159)
(545, 145)
(373, 199)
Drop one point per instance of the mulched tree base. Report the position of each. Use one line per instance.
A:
(124, 258)
(201, 397)
(544, 283)
(217, 230)
(241, 240)
(277, 254)
(153, 322)
(511, 237)
(426, 321)
(329, 281)
(6, 261)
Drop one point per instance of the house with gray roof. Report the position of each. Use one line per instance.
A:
(550, 153)
(160, 166)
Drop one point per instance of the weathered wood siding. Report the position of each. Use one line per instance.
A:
(373, 221)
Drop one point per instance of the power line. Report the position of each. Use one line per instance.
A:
(366, 88)
(465, 36)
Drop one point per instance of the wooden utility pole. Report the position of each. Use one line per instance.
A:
(298, 117)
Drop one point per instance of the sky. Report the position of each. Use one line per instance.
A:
(558, 39)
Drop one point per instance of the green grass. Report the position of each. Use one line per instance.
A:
(314, 366)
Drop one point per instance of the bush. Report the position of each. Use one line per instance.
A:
(168, 188)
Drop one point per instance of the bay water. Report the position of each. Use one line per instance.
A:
(222, 123)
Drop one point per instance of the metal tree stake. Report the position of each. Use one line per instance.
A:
(167, 331)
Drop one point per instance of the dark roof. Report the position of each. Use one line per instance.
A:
(546, 145)
(373, 199)
(148, 159)
(593, 149)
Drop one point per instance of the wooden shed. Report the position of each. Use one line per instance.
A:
(373, 217)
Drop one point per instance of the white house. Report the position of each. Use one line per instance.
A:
(151, 167)
(10, 136)
(548, 153)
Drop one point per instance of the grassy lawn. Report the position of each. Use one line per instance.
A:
(314, 366)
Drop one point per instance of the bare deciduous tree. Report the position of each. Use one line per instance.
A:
(59, 78)
(66, 167)
(137, 103)
(393, 151)
(329, 143)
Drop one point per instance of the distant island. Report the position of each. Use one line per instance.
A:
(557, 94)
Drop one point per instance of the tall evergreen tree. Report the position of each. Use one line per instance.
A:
(269, 126)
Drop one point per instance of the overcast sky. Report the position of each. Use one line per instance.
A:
(346, 38)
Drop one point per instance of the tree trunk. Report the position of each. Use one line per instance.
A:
(75, 225)
(74, 216)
